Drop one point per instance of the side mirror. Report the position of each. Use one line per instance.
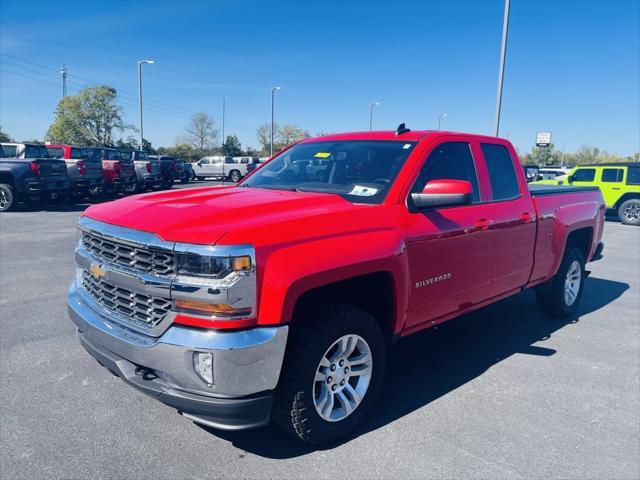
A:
(570, 179)
(443, 193)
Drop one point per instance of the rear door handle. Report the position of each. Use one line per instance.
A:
(483, 224)
(615, 188)
(525, 217)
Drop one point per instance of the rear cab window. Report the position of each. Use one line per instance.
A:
(79, 153)
(502, 174)
(9, 151)
(35, 151)
(55, 152)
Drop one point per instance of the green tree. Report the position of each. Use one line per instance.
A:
(89, 118)
(5, 137)
(200, 134)
(232, 146)
(282, 136)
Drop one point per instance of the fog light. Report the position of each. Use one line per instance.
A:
(203, 366)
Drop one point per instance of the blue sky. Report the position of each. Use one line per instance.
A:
(573, 67)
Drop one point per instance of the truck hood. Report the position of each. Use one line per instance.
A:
(254, 216)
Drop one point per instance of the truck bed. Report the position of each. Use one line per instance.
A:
(541, 190)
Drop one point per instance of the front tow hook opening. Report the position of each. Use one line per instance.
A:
(146, 373)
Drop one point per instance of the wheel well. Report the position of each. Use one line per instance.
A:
(6, 178)
(625, 197)
(373, 293)
(581, 239)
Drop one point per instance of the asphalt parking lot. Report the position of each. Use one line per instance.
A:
(500, 393)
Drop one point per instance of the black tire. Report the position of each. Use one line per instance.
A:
(7, 198)
(629, 212)
(551, 297)
(235, 176)
(294, 409)
(200, 178)
(184, 180)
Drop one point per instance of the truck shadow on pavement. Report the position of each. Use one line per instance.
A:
(426, 366)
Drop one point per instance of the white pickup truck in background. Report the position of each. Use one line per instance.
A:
(220, 167)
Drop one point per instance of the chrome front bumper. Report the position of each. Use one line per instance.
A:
(245, 362)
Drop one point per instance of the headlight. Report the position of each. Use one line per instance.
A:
(201, 266)
(215, 282)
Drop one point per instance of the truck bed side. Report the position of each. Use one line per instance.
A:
(560, 212)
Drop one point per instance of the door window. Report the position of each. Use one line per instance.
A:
(612, 175)
(502, 175)
(450, 160)
(205, 161)
(229, 160)
(584, 175)
(633, 176)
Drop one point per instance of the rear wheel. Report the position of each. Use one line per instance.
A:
(629, 212)
(200, 178)
(7, 197)
(235, 176)
(561, 298)
(332, 374)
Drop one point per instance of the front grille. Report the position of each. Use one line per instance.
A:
(139, 258)
(142, 309)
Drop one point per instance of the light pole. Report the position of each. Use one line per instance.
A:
(273, 96)
(503, 54)
(140, 62)
(374, 104)
(440, 117)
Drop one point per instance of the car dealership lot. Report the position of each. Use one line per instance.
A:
(501, 393)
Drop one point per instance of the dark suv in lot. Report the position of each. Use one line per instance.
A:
(119, 173)
(28, 174)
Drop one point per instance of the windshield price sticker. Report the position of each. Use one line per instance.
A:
(406, 146)
(322, 155)
(361, 191)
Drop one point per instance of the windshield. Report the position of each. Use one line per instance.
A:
(358, 171)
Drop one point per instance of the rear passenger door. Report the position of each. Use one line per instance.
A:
(513, 216)
(611, 185)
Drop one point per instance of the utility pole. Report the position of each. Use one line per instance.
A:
(64, 72)
(223, 139)
(503, 53)
(440, 117)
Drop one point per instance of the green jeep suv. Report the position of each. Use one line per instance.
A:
(618, 182)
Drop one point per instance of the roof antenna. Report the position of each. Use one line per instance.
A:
(402, 129)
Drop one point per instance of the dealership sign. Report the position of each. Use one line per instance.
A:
(543, 139)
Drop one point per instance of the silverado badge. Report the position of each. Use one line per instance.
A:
(96, 271)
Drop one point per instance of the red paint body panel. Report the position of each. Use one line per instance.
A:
(441, 262)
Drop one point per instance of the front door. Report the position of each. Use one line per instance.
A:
(450, 249)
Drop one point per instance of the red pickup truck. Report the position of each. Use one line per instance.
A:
(277, 298)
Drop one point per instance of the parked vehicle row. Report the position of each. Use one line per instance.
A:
(34, 173)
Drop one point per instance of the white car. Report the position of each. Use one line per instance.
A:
(220, 167)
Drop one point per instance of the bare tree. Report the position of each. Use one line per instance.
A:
(201, 133)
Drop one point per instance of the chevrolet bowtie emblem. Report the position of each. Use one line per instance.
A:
(96, 271)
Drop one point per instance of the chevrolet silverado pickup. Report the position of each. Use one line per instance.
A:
(27, 174)
(276, 299)
(85, 173)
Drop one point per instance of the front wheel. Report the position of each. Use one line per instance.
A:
(7, 197)
(629, 212)
(331, 376)
(561, 298)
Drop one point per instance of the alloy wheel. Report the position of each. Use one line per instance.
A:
(572, 283)
(342, 378)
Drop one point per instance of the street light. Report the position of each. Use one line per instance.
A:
(442, 115)
(374, 104)
(273, 95)
(140, 62)
(503, 54)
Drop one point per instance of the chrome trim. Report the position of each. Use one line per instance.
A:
(136, 238)
(245, 361)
